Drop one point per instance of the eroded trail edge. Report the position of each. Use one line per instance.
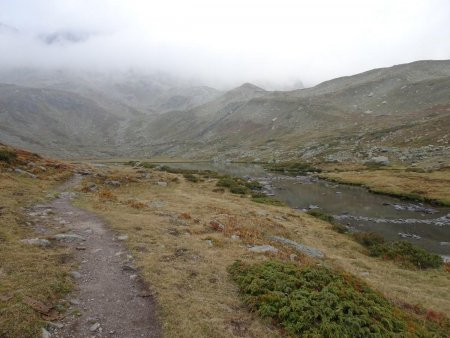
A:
(109, 300)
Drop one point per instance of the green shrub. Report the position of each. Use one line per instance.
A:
(268, 200)
(225, 182)
(191, 178)
(321, 215)
(148, 165)
(291, 167)
(319, 302)
(253, 185)
(7, 156)
(238, 189)
(368, 239)
(406, 253)
(342, 229)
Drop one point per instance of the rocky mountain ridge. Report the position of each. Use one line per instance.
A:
(401, 113)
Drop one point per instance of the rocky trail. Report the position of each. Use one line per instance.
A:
(109, 300)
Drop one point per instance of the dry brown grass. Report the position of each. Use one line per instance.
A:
(184, 258)
(32, 279)
(427, 186)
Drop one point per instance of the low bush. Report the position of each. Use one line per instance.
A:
(268, 200)
(253, 185)
(320, 302)
(368, 239)
(402, 252)
(321, 215)
(191, 178)
(225, 182)
(407, 254)
(292, 167)
(342, 229)
(148, 165)
(238, 189)
(7, 156)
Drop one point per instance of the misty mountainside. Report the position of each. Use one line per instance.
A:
(401, 112)
(122, 93)
(398, 112)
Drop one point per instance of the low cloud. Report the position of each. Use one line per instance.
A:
(224, 43)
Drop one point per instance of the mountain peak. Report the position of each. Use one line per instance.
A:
(250, 86)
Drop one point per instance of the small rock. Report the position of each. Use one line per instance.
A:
(380, 160)
(113, 183)
(209, 242)
(20, 171)
(122, 237)
(128, 268)
(68, 237)
(36, 241)
(364, 273)
(235, 237)
(45, 333)
(75, 274)
(293, 257)
(263, 248)
(94, 327)
(216, 225)
(74, 301)
(162, 184)
(299, 247)
(57, 325)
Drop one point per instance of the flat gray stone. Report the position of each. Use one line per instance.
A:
(36, 241)
(307, 250)
(263, 248)
(68, 237)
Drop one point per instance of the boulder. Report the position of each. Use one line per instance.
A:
(263, 248)
(381, 160)
(309, 251)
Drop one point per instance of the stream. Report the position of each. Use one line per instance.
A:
(422, 224)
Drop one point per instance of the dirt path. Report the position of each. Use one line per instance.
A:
(109, 300)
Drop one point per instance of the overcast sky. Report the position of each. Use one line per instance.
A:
(227, 42)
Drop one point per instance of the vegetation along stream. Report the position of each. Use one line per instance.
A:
(354, 207)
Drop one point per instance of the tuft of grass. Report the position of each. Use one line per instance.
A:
(319, 302)
(107, 195)
(191, 178)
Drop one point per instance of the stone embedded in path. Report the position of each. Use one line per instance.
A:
(122, 237)
(45, 333)
(312, 252)
(113, 183)
(68, 237)
(263, 248)
(36, 241)
(94, 327)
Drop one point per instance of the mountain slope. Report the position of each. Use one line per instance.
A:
(402, 112)
(54, 121)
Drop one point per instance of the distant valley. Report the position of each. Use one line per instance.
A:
(400, 114)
